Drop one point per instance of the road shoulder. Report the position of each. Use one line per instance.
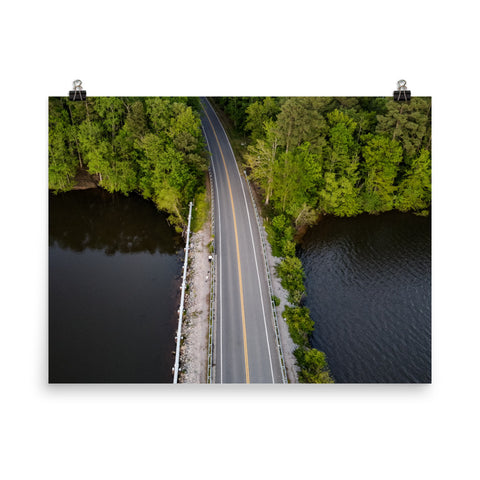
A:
(194, 352)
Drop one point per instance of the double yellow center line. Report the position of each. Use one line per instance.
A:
(247, 372)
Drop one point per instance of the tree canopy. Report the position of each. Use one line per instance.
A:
(337, 155)
(150, 145)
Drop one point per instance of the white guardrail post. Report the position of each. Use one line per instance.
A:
(213, 280)
(213, 276)
(180, 312)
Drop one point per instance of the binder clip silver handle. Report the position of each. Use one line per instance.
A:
(78, 93)
(77, 84)
(402, 94)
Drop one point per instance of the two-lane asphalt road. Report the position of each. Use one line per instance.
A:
(245, 346)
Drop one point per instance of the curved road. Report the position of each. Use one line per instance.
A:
(245, 346)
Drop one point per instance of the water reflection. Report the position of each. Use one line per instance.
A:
(96, 220)
(114, 277)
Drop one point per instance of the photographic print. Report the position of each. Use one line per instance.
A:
(238, 240)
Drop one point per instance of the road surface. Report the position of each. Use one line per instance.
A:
(245, 346)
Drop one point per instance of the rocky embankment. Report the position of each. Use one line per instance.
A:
(194, 350)
(85, 181)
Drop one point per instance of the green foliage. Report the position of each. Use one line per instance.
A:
(291, 272)
(300, 120)
(281, 237)
(200, 210)
(409, 123)
(382, 157)
(136, 122)
(62, 137)
(150, 145)
(414, 192)
(339, 196)
(61, 176)
(300, 325)
(342, 149)
(236, 109)
(337, 155)
(258, 114)
(262, 157)
(313, 364)
(297, 176)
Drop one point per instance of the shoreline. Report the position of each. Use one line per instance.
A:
(84, 180)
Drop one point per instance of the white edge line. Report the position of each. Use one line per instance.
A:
(220, 295)
(258, 277)
(253, 245)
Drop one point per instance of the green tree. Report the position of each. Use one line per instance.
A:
(339, 197)
(186, 136)
(414, 191)
(158, 114)
(184, 128)
(151, 147)
(296, 178)
(261, 159)
(281, 238)
(314, 367)
(340, 194)
(342, 157)
(98, 158)
(60, 175)
(258, 114)
(61, 149)
(300, 325)
(382, 157)
(136, 121)
(409, 123)
(291, 272)
(236, 109)
(300, 120)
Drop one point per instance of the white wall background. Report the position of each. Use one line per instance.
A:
(245, 48)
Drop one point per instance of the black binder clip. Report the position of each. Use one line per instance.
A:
(78, 93)
(402, 94)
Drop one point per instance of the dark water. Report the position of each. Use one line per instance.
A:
(114, 277)
(368, 281)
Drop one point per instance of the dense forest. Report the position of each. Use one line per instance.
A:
(336, 155)
(150, 145)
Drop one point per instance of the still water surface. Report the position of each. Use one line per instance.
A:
(368, 282)
(114, 277)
